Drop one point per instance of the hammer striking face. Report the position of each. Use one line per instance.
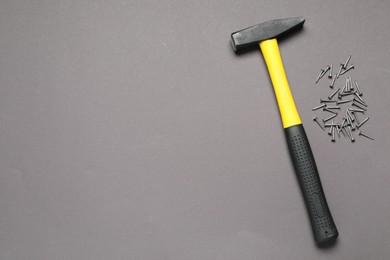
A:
(264, 31)
(265, 35)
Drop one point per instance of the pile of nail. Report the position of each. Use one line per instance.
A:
(345, 105)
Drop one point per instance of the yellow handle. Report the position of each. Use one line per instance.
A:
(287, 108)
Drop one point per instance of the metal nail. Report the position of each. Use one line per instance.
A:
(346, 63)
(320, 106)
(330, 125)
(369, 137)
(333, 107)
(334, 93)
(330, 111)
(346, 70)
(346, 94)
(353, 127)
(342, 130)
(320, 76)
(356, 110)
(349, 121)
(350, 134)
(343, 102)
(338, 129)
(329, 118)
(348, 90)
(362, 123)
(333, 81)
(333, 134)
(338, 73)
(343, 122)
(327, 101)
(326, 70)
(347, 132)
(350, 116)
(344, 89)
(331, 128)
(330, 71)
(350, 83)
(316, 120)
(356, 118)
(358, 105)
(361, 100)
(358, 89)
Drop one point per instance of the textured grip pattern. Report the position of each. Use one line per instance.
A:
(322, 223)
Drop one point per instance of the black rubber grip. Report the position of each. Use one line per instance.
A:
(324, 229)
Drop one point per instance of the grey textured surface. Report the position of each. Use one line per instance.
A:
(130, 130)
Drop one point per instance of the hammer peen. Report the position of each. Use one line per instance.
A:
(265, 34)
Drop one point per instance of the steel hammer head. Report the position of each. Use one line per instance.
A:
(264, 31)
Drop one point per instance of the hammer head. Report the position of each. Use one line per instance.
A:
(264, 31)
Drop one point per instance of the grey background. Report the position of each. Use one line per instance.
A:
(130, 130)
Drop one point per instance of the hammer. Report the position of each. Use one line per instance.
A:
(265, 34)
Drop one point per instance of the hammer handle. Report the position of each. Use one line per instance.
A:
(302, 157)
(322, 223)
(286, 104)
